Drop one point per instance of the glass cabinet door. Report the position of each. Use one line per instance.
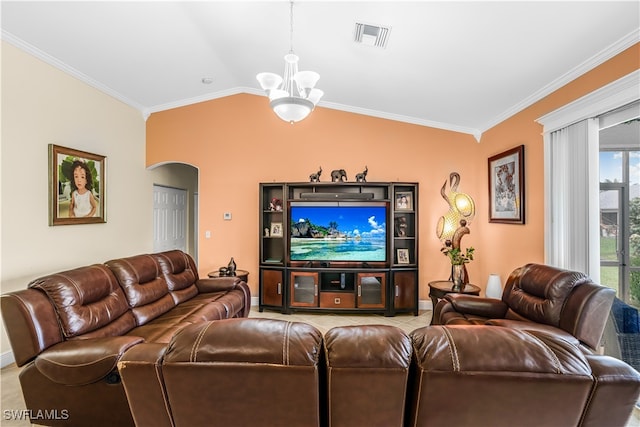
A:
(304, 289)
(371, 290)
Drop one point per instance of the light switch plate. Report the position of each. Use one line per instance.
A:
(227, 216)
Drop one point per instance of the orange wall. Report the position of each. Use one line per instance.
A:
(237, 142)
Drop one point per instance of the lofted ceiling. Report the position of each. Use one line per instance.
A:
(462, 66)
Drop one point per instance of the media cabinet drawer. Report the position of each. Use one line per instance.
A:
(337, 300)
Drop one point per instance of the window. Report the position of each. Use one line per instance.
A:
(620, 209)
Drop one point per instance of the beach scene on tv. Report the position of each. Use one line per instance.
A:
(338, 233)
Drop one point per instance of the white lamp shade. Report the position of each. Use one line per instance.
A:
(315, 95)
(306, 80)
(292, 109)
(494, 287)
(269, 81)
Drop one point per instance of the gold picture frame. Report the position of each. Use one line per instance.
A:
(77, 187)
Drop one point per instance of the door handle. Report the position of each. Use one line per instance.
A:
(397, 291)
(279, 288)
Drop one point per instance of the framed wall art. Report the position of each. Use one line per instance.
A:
(506, 186)
(77, 186)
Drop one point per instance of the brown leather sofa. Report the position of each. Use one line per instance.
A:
(248, 372)
(70, 329)
(537, 297)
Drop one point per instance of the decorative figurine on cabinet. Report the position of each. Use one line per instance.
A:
(338, 175)
(275, 205)
(315, 177)
(362, 176)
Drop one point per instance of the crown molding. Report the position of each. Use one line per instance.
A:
(55, 62)
(194, 100)
(624, 43)
(616, 94)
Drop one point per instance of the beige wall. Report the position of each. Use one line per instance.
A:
(42, 105)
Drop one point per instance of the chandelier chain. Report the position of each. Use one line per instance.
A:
(291, 27)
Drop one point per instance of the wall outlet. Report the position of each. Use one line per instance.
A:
(226, 216)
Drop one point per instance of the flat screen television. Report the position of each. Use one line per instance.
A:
(338, 231)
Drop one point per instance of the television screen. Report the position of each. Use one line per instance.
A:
(338, 232)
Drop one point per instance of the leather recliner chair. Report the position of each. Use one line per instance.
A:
(537, 297)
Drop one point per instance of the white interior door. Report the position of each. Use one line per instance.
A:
(169, 219)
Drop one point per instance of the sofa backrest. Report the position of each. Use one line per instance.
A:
(179, 271)
(88, 302)
(565, 299)
(144, 286)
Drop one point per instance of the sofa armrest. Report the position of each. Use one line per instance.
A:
(226, 284)
(30, 322)
(484, 307)
(615, 392)
(80, 362)
(217, 284)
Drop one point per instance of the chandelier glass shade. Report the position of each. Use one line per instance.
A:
(293, 96)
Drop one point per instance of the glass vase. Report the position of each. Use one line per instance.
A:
(458, 277)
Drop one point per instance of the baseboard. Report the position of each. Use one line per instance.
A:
(425, 305)
(6, 359)
(422, 304)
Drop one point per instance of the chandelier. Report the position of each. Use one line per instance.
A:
(289, 106)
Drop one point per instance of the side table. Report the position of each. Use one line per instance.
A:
(439, 288)
(242, 274)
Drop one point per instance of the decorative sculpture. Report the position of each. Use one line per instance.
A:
(362, 176)
(452, 226)
(338, 175)
(315, 177)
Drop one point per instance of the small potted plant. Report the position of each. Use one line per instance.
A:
(458, 259)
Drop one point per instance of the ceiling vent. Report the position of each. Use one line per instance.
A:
(372, 35)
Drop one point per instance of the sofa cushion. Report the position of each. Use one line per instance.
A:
(85, 299)
(538, 293)
(145, 288)
(179, 273)
(626, 317)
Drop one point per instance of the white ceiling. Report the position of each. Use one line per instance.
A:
(464, 66)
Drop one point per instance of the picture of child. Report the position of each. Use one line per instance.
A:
(83, 203)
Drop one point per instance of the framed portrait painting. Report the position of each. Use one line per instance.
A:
(77, 181)
(506, 186)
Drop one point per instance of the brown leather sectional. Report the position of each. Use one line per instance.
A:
(70, 329)
(143, 340)
(248, 372)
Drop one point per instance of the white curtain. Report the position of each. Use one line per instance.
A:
(571, 175)
(572, 194)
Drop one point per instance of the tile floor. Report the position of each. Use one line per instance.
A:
(12, 396)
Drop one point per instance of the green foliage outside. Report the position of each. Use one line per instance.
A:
(634, 249)
(609, 275)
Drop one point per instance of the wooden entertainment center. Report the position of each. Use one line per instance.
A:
(307, 266)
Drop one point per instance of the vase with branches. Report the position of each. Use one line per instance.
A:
(458, 260)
